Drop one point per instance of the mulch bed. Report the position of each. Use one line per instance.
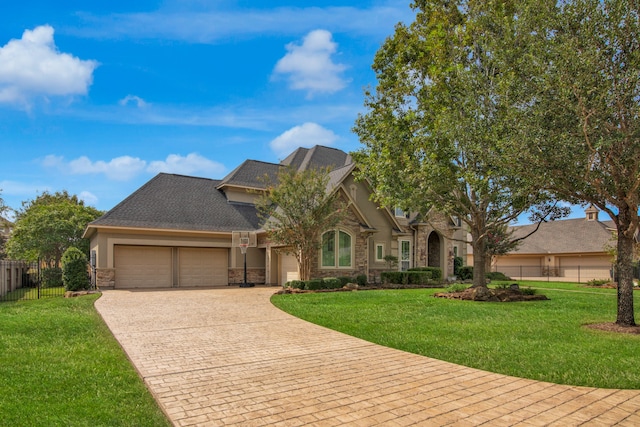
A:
(614, 327)
(513, 294)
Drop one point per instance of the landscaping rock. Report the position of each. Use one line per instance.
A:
(485, 294)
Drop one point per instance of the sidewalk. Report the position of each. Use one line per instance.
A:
(221, 357)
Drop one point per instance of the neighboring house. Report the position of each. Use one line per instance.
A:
(176, 231)
(569, 250)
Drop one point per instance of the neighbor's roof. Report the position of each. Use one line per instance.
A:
(178, 202)
(565, 236)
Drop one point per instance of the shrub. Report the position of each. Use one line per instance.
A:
(597, 282)
(344, 280)
(496, 275)
(528, 291)
(465, 272)
(362, 280)
(331, 283)
(456, 287)
(457, 263)
(418, 277)
(313, 284)
(294, 284)
(436, 273)
(51, 277)
(391, 277)
(74, 270)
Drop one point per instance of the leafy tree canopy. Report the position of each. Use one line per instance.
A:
(296, 209)
(47, 226)
(439, 130)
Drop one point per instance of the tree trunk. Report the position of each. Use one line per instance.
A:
(624, 270)
(479, 259)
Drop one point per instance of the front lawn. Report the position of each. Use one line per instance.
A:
(542, 340)
(60, 366)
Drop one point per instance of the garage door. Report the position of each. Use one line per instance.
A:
(202, 267)
(288, 268)
(142, 267)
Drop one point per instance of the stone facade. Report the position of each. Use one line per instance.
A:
(254, 275)
(105, 277)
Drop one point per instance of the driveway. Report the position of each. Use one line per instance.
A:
(220, 357)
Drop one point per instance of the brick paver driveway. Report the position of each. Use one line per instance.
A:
(228, 357)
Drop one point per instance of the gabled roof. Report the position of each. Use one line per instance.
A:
(178, 202)
(564, 236)
(251, 174)
(317, 157)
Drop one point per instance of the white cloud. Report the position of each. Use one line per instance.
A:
(306, 135)
(310, 67)
(140, 103)
(117, 169)
(191, 164)
(88, 198)
(32, 67)
(124, 168)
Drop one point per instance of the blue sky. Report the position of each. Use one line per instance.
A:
(98, 97)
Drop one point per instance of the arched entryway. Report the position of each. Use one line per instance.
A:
(434, 250)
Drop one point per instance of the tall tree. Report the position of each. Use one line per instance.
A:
(582, 115)
(297, 209)
(438, 131)
(47, 226)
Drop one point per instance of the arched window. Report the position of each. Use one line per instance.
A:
(336, 249)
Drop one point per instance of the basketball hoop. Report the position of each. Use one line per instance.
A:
(244, 240)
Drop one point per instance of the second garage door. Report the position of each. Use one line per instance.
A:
(202, 267)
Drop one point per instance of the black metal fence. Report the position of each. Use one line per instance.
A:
(21, 280)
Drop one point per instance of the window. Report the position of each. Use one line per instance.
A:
(399, 213)
(405, 255)
(336, 249)
(379, 251)
(455, 251)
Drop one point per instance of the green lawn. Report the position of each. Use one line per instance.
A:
(543, 340)
(60, 366)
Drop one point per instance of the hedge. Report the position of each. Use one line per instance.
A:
(406, 277)
(436, 273)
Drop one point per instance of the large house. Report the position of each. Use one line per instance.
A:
(565, 250)
(176, 231)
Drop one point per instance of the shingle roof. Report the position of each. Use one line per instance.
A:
(318, 157)
(564, 236)
(251, 174)
(178, 202)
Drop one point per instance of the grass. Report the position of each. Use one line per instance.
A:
(542, 340)
(32, 293)
(60, 366)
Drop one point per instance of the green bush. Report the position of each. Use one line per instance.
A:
(51, 277)
(331, 283)
(456, 287)
(313, 284)
(406, 277)
(496, 275)
(294, 284)
(465, 272)
(528, 291)
(418, 277)
(362, 280)
(457, 263)
(344, 280)
(75, 276)
(436, 273)
(388, 277)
